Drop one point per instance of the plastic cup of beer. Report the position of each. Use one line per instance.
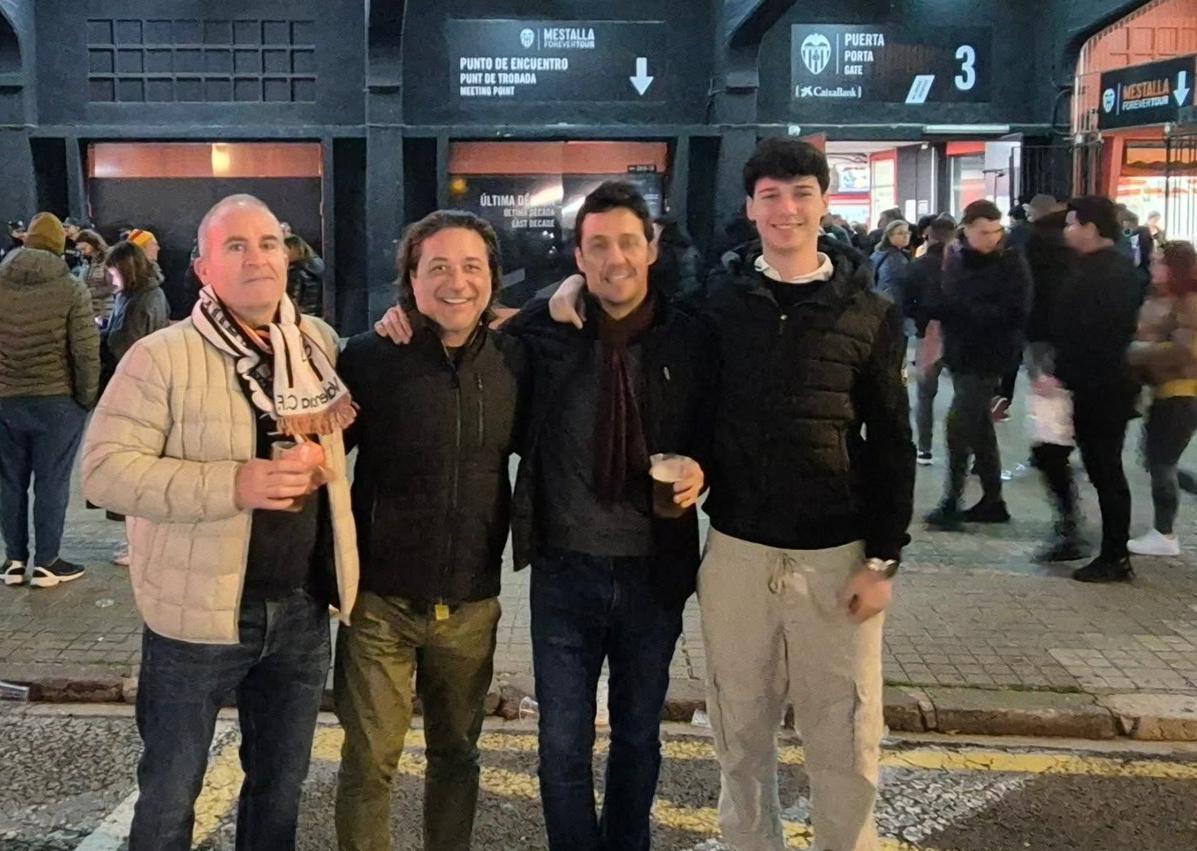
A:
(278, 451)
(667, 470)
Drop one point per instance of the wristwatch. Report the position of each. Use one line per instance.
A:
(886, 567)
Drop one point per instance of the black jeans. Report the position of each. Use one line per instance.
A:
(1100, 425)
(584, 609)
(278, 672)
(970, 433)
(1169, 428)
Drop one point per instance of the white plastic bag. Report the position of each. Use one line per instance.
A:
(1049, 418)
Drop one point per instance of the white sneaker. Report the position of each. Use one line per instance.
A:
(14, 572)
(1154, 543)
(120, 556)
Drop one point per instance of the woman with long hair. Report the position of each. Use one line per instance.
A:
(1165, 353)
(92, 248)
(139, 311)
(890, 260)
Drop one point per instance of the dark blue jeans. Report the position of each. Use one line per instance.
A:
(278, 672)
(585, 609)
(39, 436)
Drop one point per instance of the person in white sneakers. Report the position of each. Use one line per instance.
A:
(1165, 352)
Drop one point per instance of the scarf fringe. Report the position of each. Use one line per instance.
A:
(339, 416)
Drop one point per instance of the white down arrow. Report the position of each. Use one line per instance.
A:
(1182, 88)
(641, 81)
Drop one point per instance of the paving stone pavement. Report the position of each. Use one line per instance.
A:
(970, 609)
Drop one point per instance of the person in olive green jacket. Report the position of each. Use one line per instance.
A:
(49, 376)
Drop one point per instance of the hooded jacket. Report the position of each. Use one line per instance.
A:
(49, 344)
(811, 445)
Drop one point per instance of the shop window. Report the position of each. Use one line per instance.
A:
(531, 192)
(137, 61)
(968, 181)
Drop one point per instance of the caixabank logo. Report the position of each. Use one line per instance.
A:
(816, 53)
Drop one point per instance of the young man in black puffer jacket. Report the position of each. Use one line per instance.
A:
(812, 479)
(986, 300)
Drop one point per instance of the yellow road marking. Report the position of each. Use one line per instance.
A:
(223, 779)
(1037, 763)
(222, 784)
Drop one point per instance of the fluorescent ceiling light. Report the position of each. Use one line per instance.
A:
(966, 129)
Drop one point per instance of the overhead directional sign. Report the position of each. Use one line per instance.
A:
(1147, 94)
(522, 61)
(890, 64)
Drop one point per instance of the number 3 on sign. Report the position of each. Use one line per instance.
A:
(967, 78)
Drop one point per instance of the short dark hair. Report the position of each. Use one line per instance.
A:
(408, 257)
(981, 209)
(614, 195)
(942, 229)
(785, 159)
(1099, 211)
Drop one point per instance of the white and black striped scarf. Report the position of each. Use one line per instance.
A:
(287, 373)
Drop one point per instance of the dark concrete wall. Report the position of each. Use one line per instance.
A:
(380, 100)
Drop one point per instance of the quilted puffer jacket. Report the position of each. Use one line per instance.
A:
(163, 448)
(49, 345)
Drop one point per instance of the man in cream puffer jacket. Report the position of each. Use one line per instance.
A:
(235, 556)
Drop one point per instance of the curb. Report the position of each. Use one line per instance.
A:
(908, 709)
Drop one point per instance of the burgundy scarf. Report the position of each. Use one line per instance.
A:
(620, 449)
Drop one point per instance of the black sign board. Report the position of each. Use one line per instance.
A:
(1146, 94)
(837, 63)
(506, 61)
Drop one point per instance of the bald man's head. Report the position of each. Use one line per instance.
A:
(219, 208)
(242, 258)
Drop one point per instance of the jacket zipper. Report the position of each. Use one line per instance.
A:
(455, 484)
(481, 411)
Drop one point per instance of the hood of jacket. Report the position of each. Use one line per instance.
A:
(30, 267)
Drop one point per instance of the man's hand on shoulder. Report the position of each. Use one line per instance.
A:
(395, 326)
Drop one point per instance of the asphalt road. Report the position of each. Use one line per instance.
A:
(68, 783)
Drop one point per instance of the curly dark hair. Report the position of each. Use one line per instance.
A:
(408, 256)
(785, 159)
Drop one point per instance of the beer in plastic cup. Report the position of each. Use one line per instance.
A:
(667, 470)
(278, 451)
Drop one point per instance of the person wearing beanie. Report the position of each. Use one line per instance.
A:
(49, 377)
(45, 232)
(146, 241)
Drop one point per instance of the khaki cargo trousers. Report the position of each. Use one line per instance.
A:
(774, 633)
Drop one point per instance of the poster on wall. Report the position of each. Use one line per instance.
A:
(849, 173)
(890, 64)
(525, 211)
(531, 61)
